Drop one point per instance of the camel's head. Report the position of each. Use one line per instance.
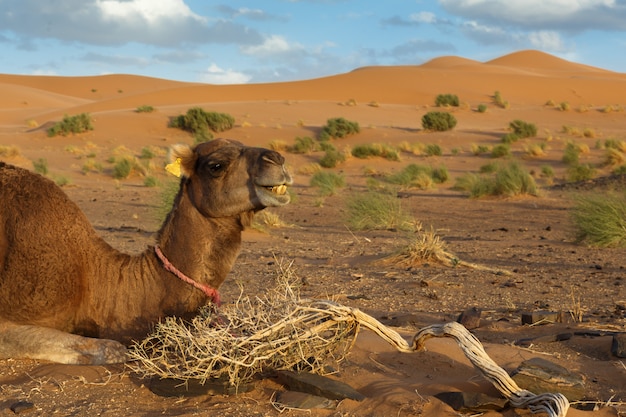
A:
(225, 178)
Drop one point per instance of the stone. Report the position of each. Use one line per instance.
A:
(540, 317)
(22, 407)
(318, 385)
(171, 387)
(303, 401)
(618, 346)
(472, 402)
(470, 318)
(538, 376)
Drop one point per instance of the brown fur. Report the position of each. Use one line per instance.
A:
(57, 276)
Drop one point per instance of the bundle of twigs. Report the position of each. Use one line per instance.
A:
(282, 331)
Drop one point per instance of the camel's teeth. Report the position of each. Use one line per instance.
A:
(279, 189)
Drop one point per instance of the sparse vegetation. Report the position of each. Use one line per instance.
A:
(71, 125)
(523, 129)
(580, 172)
(327, 182)
(198, 120)
(502, 150)
(145, 109)
(433, 150)
(151, 181)
(332, 157)
(373, 210)
(438, 121)
(499, 101)
(41, 166)
(564, 106)
(447, 100)
(600, 219)
(482, 108)
(337, 128)
(480, 149)
(304, 145)
(122, 168)
(376, 150)
(419, 176)
(9, 151)
(508, 180)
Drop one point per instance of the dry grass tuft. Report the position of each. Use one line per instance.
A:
(276, 331)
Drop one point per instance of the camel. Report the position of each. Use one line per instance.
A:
(67, 296)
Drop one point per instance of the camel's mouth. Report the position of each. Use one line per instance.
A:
(273, 195)
(278, 189)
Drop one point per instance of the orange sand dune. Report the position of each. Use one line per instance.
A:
(527, 77)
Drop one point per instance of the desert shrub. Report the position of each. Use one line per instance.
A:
(500, 102)
(202, 136)
(145, 109)
(327, 182)
(523, 129)
(508, 180)
(9, 151)
(433, 150)
(337, 128)
(122, 168)
(332, 157)
(443, 100)
(502, 150)
(617, 144)
(537, 149)
(71, 124)
(375, 150)
(480, 149)
(571, 154)
(564, 106)
(304, 144)
(62, 180)
(438, 121)
(147, 153)
(41, 166)
(620, 170)
(372, 210)
(482, 108)
(488, 168)
(600, 219)
(547, 171)
(510, 138)
(150, 181)
(419, 176)
(197, 120)
(613, 157)
(580, 172)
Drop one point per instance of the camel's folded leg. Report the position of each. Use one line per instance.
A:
(34, 342)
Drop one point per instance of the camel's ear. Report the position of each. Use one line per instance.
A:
(182, 160)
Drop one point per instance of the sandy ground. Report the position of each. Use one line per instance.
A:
(532, 237)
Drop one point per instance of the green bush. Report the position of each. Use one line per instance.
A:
(510, 138)
(508, 180)
(600, 219)
(41, 166)
(580, 172)
(501, 151)
(327, 182)
(337, 128)
(419, 176)
(197, 120)
(122, 168)
(71, 124)
(438, 121)
(444, 100)
(372, 210)
(523, 129)
(571, 154)
(482, 108)
(433, 150)
(144, 109)
(303, 145)
(375, 149)
(332, 157)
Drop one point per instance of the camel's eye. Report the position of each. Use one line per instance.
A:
(214, 168)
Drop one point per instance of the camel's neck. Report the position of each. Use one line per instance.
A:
(203, 249)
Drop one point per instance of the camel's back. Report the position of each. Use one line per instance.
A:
(43, 238)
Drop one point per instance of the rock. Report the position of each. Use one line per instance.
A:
(539, 376)
(544, 339)
(618, 346)
(540, 317)
(22, 407)
(303, 401)
(472, 402)
(470, 318)
(170, 387)
(318, 385)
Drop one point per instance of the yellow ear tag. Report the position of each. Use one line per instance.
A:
(174, 167)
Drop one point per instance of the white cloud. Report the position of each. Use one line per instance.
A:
(423, 17)
(273, 45)
(216, 75)
(572, 15)
(151, 11)
(546, 40)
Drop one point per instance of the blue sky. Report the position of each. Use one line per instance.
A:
(246, 41)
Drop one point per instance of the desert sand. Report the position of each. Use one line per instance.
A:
(532, 237)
